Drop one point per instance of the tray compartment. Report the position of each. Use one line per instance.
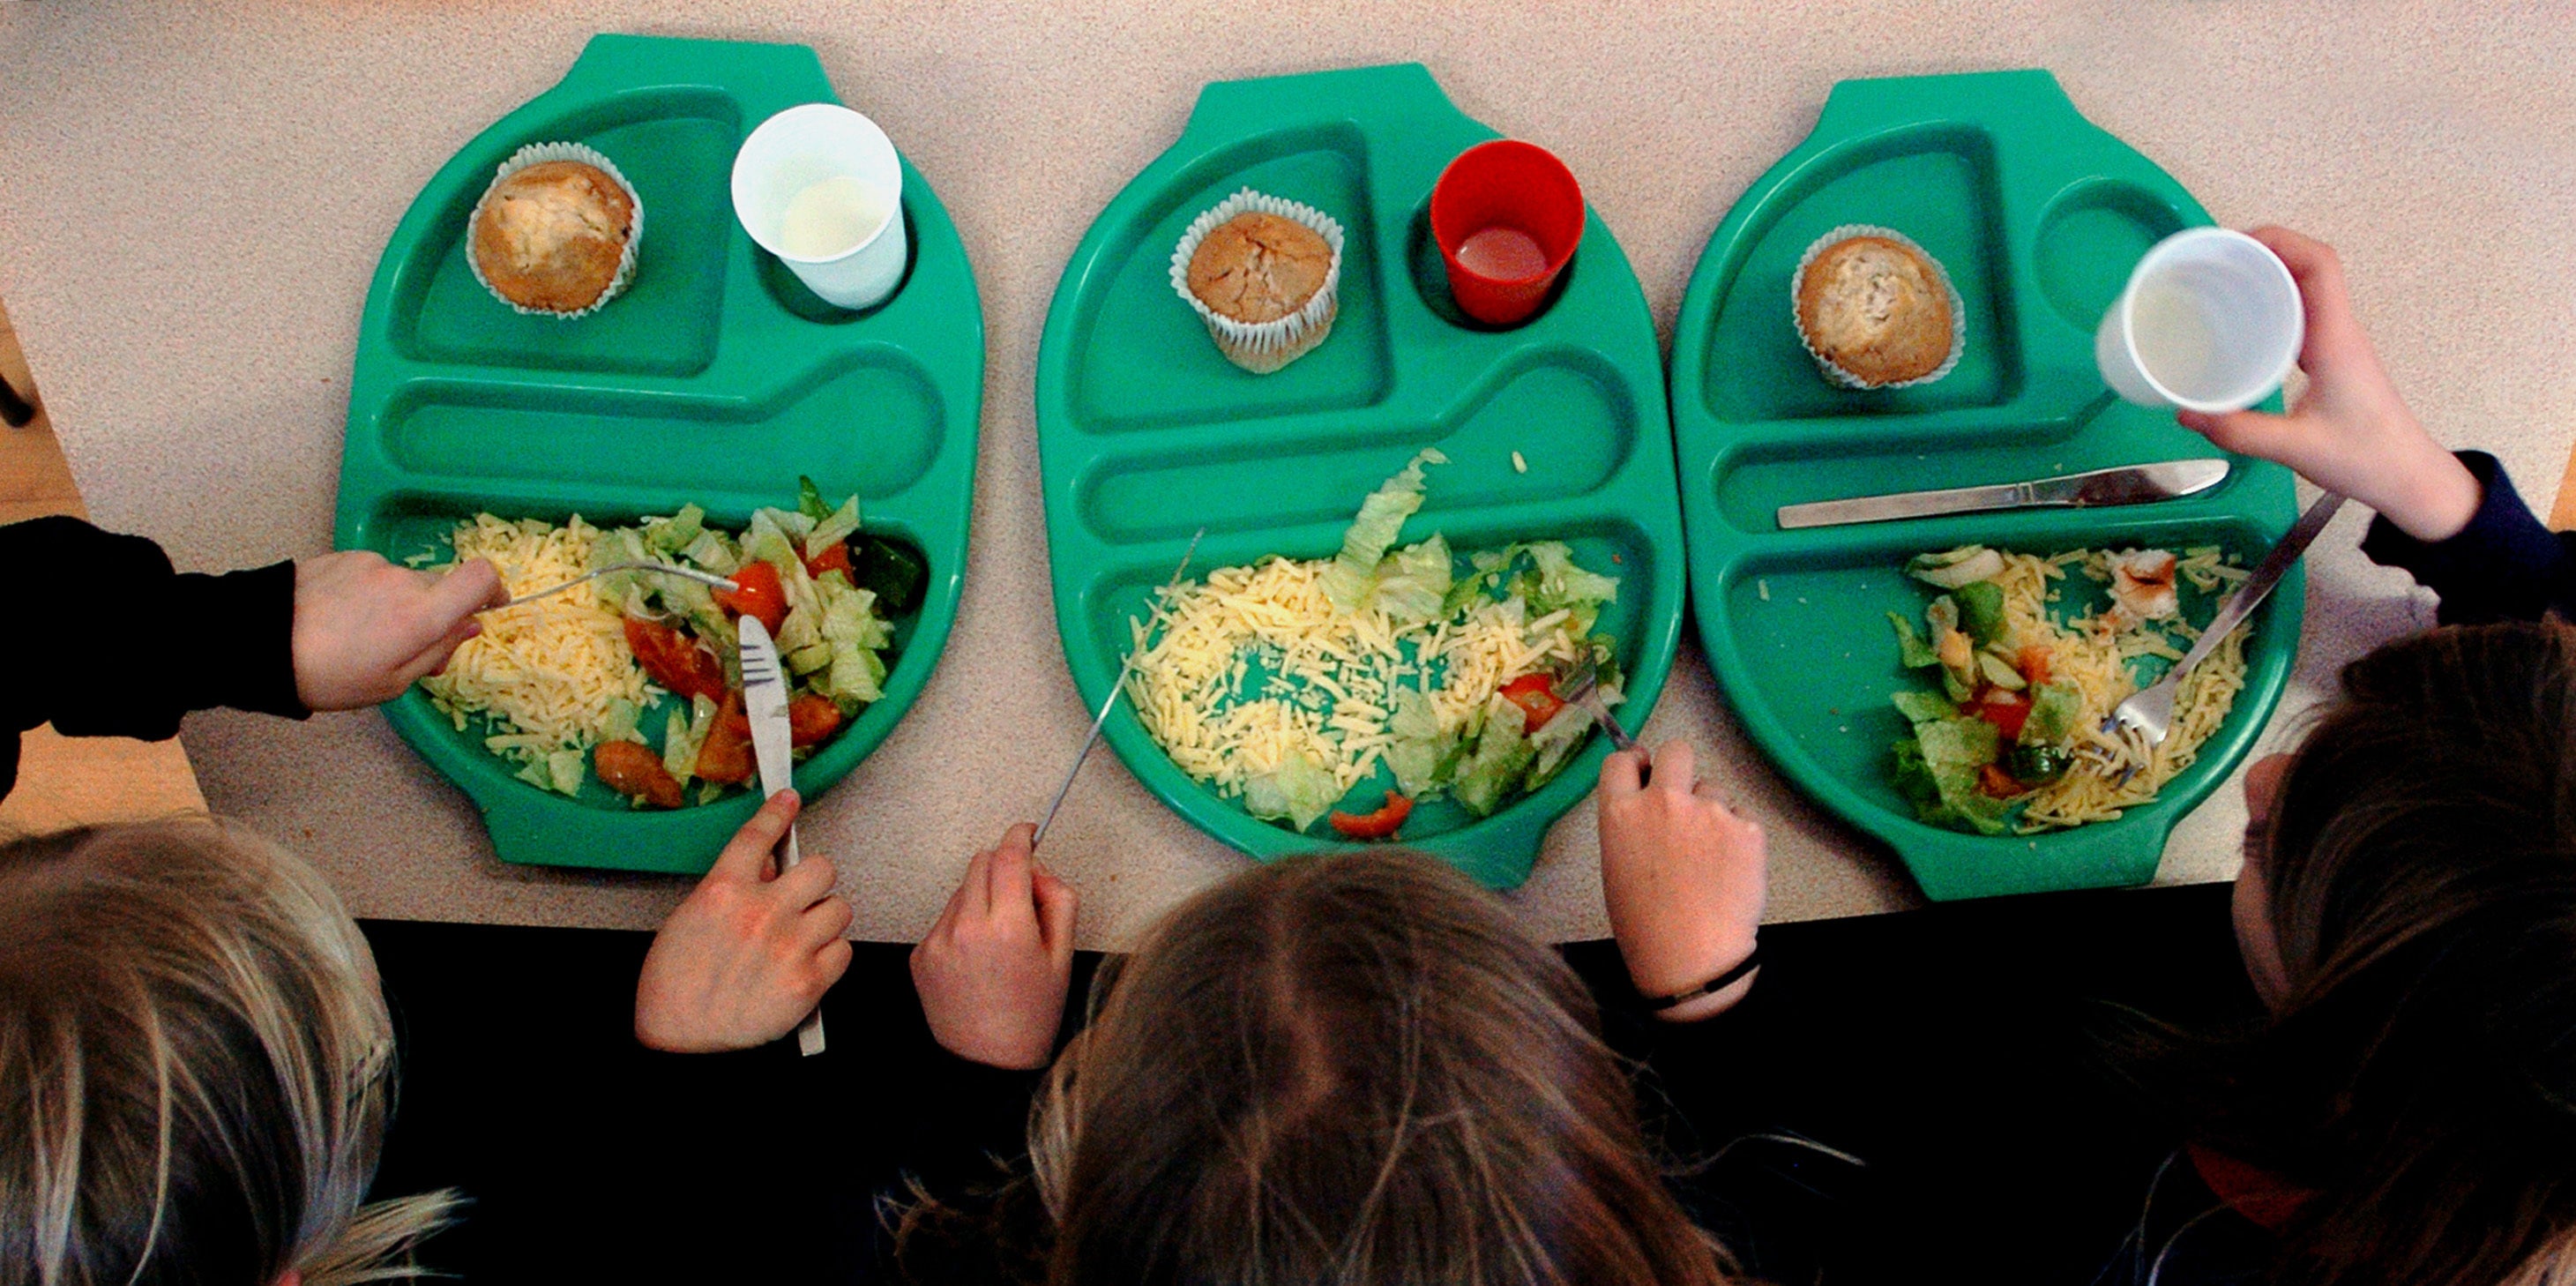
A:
(676, 146)
(1146, 359)
(1125, 588)
(1935, 184)
(871, 418)
(1761, 474)
(2089, 237)
(1534, 399)
(1816, 658)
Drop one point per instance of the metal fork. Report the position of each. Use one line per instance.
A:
(2149, 714)
(708, 579)
(1580, 688)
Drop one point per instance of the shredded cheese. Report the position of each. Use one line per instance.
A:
(553, 669)
(1333, 678)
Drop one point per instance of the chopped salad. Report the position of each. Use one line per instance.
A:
(1290, 684)
(822, 587)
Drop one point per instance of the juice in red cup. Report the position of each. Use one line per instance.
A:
(1507, 215)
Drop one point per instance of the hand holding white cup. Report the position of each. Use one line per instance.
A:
(820, 186)
(2210, 321)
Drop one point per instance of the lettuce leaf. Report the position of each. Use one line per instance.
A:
(1298, 790)
(1413, 582)
(1352, 579)
(1911, 651)
(1502, 754)
(1418, 746)
(832, 529)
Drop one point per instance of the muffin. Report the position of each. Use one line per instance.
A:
(1875, 311)
(556, 232)
(1263, 273)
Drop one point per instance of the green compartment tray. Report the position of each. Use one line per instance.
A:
(2038, 215)
(715, 378)
(1146, 432)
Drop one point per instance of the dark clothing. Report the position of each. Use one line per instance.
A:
(2504, 566)
(141, 644)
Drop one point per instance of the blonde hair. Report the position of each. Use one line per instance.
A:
(1355, 1068)
(195, 1067)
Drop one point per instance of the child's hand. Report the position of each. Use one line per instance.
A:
(993, 972)
(2350, 431)
(1684, 879)
(364, 628)
(748, 955)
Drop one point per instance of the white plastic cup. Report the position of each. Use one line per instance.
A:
(2210, 321)
(799, 148)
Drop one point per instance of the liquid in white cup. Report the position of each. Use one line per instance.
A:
(2211, 321)
(832, 217)
(820, 186)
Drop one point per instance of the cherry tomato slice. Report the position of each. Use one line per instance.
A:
(1536, 697)
(2008, 711)
(836, 558)
(760, 595)
(810, 719)
(1377, 825)
(675, 660)
(632, 769)
(726, 756)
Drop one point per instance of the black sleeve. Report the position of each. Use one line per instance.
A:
(2503, 566)
(976, 1120)
(230, 641)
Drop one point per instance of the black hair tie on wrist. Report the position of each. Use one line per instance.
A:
(1751, 961)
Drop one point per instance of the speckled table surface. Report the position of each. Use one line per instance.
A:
(193, 196)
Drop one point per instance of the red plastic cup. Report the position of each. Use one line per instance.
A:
(1507, 215)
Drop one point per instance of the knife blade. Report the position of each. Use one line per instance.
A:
(764, 702)
(2126, 485)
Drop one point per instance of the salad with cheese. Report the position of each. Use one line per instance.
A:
(1405, 673)
(570, 685)
(2016, 738)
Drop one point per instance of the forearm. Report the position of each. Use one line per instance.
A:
(227, 640)
(2500, 564)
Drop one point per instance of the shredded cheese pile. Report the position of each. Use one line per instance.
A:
(1332, 677)
(554, 668)
(2091, 652)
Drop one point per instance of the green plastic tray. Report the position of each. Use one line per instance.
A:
(1146, 432)
(2038, 216)
(715, 378)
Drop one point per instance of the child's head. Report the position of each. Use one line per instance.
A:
(2410, 907)
(1352, 1068)
(194, 1065)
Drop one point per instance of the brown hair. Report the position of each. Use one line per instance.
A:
(1355, 1068)
(195, 1067)
(2420, 868)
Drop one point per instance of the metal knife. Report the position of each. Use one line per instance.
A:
(2135, 484)
(764, 701)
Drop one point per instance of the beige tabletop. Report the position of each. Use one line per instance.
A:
(193, 196)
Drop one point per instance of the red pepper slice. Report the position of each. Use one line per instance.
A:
(675, 660)
(835, 558)
(2008, 711)
(726, 755)
(1377, 825)
(811, 718)
(632, 769)
(761, 594)
(1536, 697)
